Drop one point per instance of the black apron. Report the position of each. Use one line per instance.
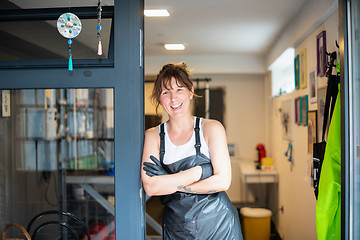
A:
(197, 216)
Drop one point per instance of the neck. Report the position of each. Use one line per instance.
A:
(180, 124)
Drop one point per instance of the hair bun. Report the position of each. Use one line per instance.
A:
(183, 64)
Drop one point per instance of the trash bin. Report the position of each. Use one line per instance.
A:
(256, 223)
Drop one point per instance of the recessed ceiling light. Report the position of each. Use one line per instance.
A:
(156, 13)
(175, 46)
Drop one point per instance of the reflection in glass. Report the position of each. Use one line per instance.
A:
(58, 154)
(39, 40)
(16, 4)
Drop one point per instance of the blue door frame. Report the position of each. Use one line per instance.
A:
(126, 77)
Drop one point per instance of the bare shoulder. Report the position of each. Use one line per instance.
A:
(213, 125)
(213, 128)
(152, 132)
(152, 138)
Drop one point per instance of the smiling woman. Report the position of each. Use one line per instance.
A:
(186, 162)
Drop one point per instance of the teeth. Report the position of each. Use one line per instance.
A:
(176, 106)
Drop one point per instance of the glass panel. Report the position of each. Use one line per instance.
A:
(36, 40)
(57, 150)
(354, 88)
(16, 4)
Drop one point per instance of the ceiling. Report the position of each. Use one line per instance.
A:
(221, 37)
(213, 27)
(221, 30)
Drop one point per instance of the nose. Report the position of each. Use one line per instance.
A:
(172, 96)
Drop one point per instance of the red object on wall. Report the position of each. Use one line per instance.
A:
(261, 151)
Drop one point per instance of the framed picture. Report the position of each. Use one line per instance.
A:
(321, 53)
(304, 110)
(303, 73)
(296, 72)
(321, 97)
(312, 86)
(312, 131)
(297, 110)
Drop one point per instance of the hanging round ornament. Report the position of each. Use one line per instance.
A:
(69, 26)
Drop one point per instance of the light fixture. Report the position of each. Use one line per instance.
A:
(177, 46)
(156, 13)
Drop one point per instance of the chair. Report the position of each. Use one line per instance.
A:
(10, 225)
(44, 215)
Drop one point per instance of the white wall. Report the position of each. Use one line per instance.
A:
(313, 14)
(295, 190)
(209, 64)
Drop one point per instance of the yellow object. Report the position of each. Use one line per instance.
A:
(267, 161)
(257, 223)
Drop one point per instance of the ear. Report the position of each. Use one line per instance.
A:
(192, 93)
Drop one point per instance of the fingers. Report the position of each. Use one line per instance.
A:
(155, 160)
(150, 174)
(154, 169)
(150, 171)
(150, 165)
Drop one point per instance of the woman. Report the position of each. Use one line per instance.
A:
(177, 165)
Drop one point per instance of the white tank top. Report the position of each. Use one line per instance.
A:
(175, 153)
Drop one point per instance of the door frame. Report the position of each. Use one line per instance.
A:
(126, 78)
(345, 121)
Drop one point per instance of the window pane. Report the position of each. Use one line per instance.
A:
(35, 40)
(57, 150)
(17, 4)
(282, 73)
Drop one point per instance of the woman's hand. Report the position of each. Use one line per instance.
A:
(154, 169)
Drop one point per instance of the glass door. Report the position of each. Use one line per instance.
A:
(58, 157)
(62, 132)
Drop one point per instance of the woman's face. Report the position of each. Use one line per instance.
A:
(176, 99)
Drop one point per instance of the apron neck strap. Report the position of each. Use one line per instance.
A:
(162, 143)
(197, 136)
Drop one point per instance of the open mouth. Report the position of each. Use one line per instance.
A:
(176, 106)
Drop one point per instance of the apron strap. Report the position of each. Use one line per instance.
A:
(162, 143)
(197, 136)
